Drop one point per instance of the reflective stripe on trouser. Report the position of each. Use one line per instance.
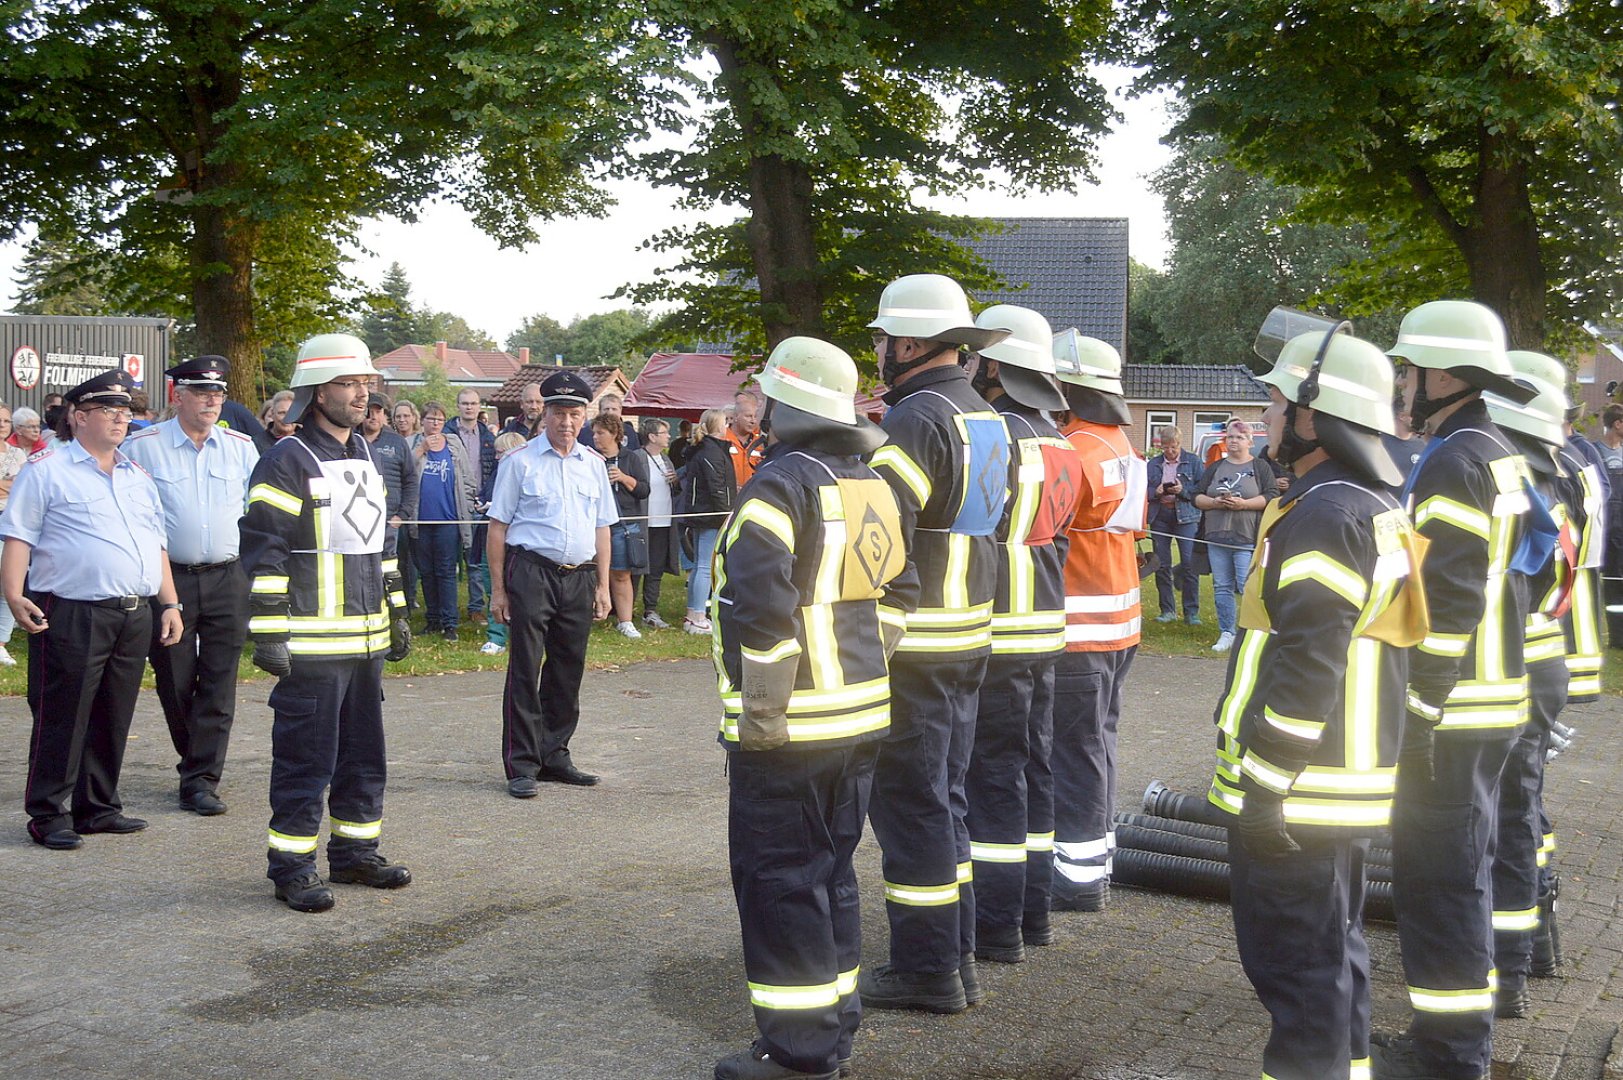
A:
(1521, 832)
(996, 791)
(1298, 922)
(327, 732)
(1442, 832)
(1040, 797)
(932, 716)
(794, 819)
(1087, 706)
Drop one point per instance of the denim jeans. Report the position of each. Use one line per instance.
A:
(1230, 567)
(704, 546)
(437, 549)
(1164, 521)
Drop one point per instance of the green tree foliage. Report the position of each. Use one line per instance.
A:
(609, 337)
(1238, 250)
(279, 125)
(454, 331)
(1146, 287)
(824, 120)
(390, 320)
(435, 387)
(1480, 144)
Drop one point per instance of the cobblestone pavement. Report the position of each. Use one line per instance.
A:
(591, 932)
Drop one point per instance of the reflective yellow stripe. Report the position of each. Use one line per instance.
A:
(1451, 1001)
(339, 645)
(1452, 512)
(770, 518)
(1445, 644)
(846, 981)
(274, 496)
(1296, 728)
(357, 830)
(1316, 566)
(272, 584)
(781, 651)
(267, 624)
(819, 996)
(835, 727)
(1338, 812)
(998, 853)
(1515, 921)
(895, 458)
(1266, 773)
(1040, 841)
(966, 872)
(922, 895)
(1359, 1069)
(1336, 781)
(297, 845)
(1246, 670)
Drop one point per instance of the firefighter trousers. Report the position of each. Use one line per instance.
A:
(918, 810)
(327, 731)
(1522, 825)
(1087, 706)
(794, 819)
(1442, 868)
(1299, 925)
(1040, 798)
(997, 788)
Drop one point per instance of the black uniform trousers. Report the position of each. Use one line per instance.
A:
(1299, 925)
(549, 618)
(1087, 708)
(84, 672)
(327, 731)
(918, 812)
(1040, 798)
(996, 787)
(1522, 824)
(197, 675)
(1442, 893)
(793, 822)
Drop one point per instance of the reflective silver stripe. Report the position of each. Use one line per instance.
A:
(1083, 851)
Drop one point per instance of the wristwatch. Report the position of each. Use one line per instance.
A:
(176, 606)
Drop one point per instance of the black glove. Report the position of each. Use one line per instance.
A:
(1262, 824)
(1416, 756)
(272, 658)
(399, 641)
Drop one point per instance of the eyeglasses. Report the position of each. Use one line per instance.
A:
(433, 419)
(111, 412)
(206, 395)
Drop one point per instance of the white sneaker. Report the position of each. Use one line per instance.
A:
(1225, 642)
(490, 648)
(5, 658)
(700, 627)
(653, 619)
(628, 630)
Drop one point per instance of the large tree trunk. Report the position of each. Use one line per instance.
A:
(780, 231)
(223, 241)
(1499, 241)
(1502, 248)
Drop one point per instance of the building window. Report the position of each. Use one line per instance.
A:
(1210, 421)
(1154, 421)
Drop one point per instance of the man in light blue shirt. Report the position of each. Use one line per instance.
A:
(202, 471)
(84, 552)
(550, 514)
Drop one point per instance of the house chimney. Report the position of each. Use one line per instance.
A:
(524, 354)
(439, 352)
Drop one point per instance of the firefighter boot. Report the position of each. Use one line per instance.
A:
(883, 987)
(757, 1064)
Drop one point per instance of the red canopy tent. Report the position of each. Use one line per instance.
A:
(684, 385)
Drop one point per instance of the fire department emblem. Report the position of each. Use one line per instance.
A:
(873, 547)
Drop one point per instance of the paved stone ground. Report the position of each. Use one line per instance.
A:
(591, 933)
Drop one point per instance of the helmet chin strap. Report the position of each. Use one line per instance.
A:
(981, 382)
(890, 367)
(1423, 408)
(1292, 447)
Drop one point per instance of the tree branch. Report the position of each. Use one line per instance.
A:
(1421, 185)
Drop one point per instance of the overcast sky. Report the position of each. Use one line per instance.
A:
(575, 267)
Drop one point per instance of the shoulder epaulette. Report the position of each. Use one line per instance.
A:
(41, 455)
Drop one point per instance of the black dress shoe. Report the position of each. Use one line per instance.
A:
(58, 839)
(118, 823)
(523, 787)
(566, 774)
(375, 871)
(307, 892)
(202, 803)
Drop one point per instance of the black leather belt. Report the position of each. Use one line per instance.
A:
(198, 568)
(122, 603)
(548, 564)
